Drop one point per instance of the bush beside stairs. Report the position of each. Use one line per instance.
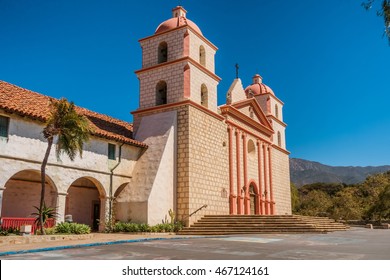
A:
(256, 224)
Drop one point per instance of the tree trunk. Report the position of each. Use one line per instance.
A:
(43, 184)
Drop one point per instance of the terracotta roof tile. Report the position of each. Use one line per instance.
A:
(26, 103)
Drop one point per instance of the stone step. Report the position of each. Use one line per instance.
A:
(241, 224)
(330, 227)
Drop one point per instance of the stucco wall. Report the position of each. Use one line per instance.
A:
(20, 198)
(25, 134)
(25, 149)
(80, 204)
(152, 187)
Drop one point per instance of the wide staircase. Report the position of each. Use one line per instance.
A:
(255, 224)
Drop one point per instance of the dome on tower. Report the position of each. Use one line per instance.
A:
(178, 19)
(257, 87)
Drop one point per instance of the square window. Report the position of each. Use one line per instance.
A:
(4, 121)
(111, 151)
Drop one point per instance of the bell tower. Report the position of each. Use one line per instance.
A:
(177, 65)
(179, 121)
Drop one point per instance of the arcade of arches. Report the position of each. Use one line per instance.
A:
(85, 199)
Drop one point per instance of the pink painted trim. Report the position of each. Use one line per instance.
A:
(246, 187)
(239, 211)
(270, 182)
(186, 48)
(232, 201)
(277, 120)
(204, 69)
(177, 104)
(181, 27)
(186, 58)
(257, 109)
(280, 149)
(265, 181)
(248, 131)
(261, 207)
(231, 111)
(187, 81)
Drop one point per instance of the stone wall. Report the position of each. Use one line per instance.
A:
(150, 45)
(172, 74)
(281, 181)
(195, 43)
(202, 164)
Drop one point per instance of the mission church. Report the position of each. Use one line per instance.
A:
(183, 152)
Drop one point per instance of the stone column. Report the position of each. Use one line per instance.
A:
(238, 161)
(232, 196)
(1, 199)
(61, 204)
(271, 193)
(247, 209)
(104, 208)
(260, 194)
(266, 193)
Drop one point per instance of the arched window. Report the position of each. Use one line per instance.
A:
(276, 111)
(204, 96)
(202, 56)
(162, 52)
(279, 139)
(161, 93)
(251, 147)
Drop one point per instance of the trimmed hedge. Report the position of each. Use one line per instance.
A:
(133, 227)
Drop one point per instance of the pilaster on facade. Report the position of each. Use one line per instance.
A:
(1, 199)
(238, 170)
(245, 165)
(272, 201)
(232, 196)
(266, 178)
(61, 205)
(260, 172)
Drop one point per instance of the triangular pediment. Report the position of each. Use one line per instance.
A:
(236, 92)
(248, 111)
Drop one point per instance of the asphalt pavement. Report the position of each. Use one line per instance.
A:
(353, 244)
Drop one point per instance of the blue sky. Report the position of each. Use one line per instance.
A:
(326, 60)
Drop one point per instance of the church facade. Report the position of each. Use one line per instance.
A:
(183, 152)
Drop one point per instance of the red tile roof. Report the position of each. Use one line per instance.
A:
(26, 103)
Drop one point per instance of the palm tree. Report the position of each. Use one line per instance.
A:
(71, 131)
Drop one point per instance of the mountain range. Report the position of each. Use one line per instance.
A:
(305, 172)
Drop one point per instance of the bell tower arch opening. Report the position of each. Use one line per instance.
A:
(162, 52)
(161, 93)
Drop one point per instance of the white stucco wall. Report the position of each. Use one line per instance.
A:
(150, 193)
(25, 149)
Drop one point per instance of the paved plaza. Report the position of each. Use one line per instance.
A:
(353, 244)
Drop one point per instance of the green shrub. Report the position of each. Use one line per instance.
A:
(118, 227)
(80, 228)
(133, 227)
(72, 228)
(63, 228)
(50, 231)
(9, 231)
